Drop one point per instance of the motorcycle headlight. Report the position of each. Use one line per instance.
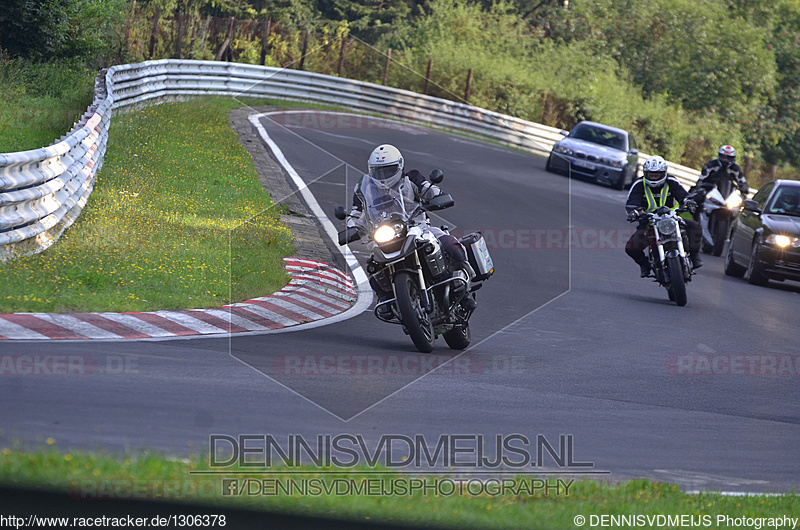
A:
(783, 241)
(667, 227)
(384, 233)
(734, 201)
(387, 232)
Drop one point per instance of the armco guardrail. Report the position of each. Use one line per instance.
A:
(43, 191)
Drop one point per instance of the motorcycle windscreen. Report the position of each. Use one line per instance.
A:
(382, 203)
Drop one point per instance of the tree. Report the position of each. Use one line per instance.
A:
(774, 127)
(704, 56)
(37, 29)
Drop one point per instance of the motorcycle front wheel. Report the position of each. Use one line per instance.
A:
(678, 284)
(720, 235)
(415, 320)
(458, 338)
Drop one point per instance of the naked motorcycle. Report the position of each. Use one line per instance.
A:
(666, 252)
(407, 260)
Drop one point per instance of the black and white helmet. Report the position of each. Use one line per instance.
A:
(726, 155)
(386, 165)
(655, 171)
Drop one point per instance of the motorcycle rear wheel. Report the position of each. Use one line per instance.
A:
(678, 284)
(458, 338)
(415, 320)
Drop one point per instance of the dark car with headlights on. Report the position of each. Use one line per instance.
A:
(765, 238)
(596, 151)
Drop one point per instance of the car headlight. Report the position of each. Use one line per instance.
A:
(734, 201)
(667, 227)
(558, 148)
(783, 241)
(612, 163)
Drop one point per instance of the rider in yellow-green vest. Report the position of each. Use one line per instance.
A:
(647, 194)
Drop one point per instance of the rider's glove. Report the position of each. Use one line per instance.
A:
(691, 205)
(633, 215)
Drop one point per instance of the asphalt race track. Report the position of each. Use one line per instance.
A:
(567, 340)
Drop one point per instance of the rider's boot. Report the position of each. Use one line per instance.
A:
(385, 310)
(465, 271)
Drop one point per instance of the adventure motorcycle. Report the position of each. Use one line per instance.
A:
(667, 252)
(721, 206)
(406, 259)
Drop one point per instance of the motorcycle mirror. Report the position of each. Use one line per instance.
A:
(752, 206)
(440, 202)
(339, 213)
(348, 235)
(436, 176)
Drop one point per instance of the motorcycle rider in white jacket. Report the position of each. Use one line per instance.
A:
(386, 169)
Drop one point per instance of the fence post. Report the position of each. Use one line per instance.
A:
(428, 76)
(178, 34)
(130, 23)
(305, 50)
(154, 33)
(264, 40)
(386, 66)
(193, 38)
(468, 89)
(228, 38)
(340, 67)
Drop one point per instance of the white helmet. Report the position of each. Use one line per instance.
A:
(726, 155)
(655, 171)
(386, 165)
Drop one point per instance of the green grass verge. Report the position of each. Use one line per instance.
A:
(150, 476)
(39, 102)
(178, 219)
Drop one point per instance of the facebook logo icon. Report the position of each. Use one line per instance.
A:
(229, 486)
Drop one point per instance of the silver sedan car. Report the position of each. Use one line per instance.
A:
(596, 151)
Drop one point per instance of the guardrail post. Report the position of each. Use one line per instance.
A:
(386, 66)
(428, 76)
(468, 89)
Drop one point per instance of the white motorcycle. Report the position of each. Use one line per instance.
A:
(721, 206)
